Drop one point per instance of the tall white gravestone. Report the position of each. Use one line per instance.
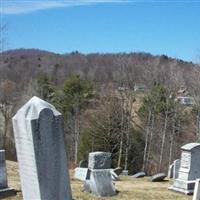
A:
(39, 139)
(189, 169)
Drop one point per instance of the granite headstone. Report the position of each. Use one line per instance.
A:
(171, 171)
(176, 168)
(81, 173)
(189, 169)
(158, 177)
(83, 164)
(100, 182)
(4, 189)
(139, 175)
(99, 160)
(39, 139)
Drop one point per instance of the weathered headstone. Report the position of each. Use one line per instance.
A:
(124, 173)
(99, 160)
(189, 170)
(139, 175)
(100, 180)
(118, 170)
(3, 175)
(4, 189)
(171, 171)
(158, 177)
(39, 139)
(114, 176)
(196, 195)
(81, 173)
(83, 164)
(177, 164)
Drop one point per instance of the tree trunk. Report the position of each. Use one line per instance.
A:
(150, 139)
(163, 137)
(77, 133)
(122, 133)
(120, 151)
(127, 145)
(172, 136)
(146, 141)
(5, 133)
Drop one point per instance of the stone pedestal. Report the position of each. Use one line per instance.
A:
(189, 169)
(101, 183)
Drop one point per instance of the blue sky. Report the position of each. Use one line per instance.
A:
(157, 27)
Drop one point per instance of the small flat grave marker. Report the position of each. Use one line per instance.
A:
(139, 175)
(158, 177)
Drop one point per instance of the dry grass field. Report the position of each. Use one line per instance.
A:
(129, 189)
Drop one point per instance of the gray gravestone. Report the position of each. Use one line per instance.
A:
(99, 160)
(39, 139)
(124, 173)
(177, 164)
(3, 176)
(4, 189)
(114, 176)
(158, 177)
(139, 175)
(196, 195)
(81, 173)
(118, 170)
(99, 181)
(189, 169)
(83, 164)
(171, 171)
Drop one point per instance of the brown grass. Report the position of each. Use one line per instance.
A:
(129, 189)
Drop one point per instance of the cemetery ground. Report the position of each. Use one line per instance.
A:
(129, 189)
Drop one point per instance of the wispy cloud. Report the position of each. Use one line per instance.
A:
(25, 6)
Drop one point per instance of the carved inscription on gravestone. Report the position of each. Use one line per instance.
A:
(185, 159)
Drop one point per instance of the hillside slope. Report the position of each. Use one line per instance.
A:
(21, 65)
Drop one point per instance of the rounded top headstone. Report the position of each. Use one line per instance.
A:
(31, 110)
(83, 164)
(190, 146)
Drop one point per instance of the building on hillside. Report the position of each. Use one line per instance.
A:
(140, 87)
(185, 100)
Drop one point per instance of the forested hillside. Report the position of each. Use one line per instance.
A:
(23, 64)
(102, 111)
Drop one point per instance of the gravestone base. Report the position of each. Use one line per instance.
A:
(100, 183)
(6, 192)
(182, 186)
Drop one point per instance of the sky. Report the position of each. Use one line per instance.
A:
(105, 26)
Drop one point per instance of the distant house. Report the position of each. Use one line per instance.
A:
(185, 100)
(122, 88)
(139, 87)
